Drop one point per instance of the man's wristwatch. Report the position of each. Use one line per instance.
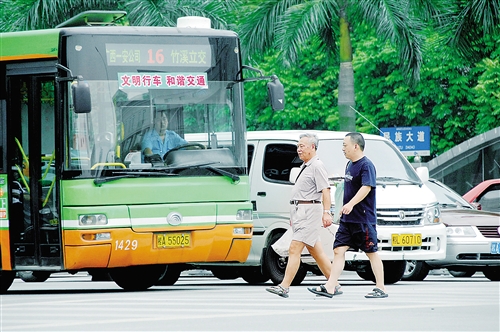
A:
(326, 211)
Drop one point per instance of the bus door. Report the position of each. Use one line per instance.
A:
(34, 221)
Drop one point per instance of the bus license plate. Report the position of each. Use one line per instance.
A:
(495, 248)
(173, 240)
(406, 240)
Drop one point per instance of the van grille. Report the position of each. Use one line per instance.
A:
(400, 217)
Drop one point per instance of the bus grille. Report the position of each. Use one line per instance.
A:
(400, 217)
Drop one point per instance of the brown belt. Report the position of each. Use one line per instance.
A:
(304, 202)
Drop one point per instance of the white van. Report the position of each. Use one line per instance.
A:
(408, 221)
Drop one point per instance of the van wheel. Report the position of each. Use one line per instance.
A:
(276, 265)
(253, 275)
(170, 276)
(137, 278)
(393, 272)
(6, 279)
(415, 271)
(33, 276)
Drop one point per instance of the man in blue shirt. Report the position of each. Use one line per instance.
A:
(357, 228)
(158, 140)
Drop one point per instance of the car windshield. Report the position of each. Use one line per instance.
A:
(446, 197)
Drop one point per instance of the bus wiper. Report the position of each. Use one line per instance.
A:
(230, 175)
(98, 181)
(395, 179)
(208, 166)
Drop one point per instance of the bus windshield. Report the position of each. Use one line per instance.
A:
(147, 96)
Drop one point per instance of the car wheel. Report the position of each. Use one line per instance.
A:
(33, 276)
(415, 271)
(462, 274)
(276, 265)
(492, 273)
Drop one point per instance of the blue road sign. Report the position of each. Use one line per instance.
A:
(410, 141)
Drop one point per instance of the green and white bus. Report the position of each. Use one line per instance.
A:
(78, 108)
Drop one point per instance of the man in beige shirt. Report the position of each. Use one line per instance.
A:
(309, 211)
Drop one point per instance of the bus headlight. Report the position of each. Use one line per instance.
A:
(92, 219)
(244, 215)
(432, 215)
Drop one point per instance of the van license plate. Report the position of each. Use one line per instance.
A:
(406, 240)
(172, 240)
(495, 248)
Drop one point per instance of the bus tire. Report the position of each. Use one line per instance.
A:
(393, 272)
(492, 273)
(137, 278)
(462, 274)
(253, 275)
(33, 276)
(225, 273)
(6, 279)
(415, 271)
(275, 265)
(170, 276)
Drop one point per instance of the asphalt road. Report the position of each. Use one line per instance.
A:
(203, 303)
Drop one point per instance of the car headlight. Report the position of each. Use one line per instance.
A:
(460, 231)
(432, 215)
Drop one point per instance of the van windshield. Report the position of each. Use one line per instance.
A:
(387, 159)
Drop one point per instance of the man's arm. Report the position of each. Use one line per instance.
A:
(327, 202)
(360, 195)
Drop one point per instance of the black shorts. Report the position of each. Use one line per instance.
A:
(356, 236)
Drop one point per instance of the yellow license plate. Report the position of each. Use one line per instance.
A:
(406, 240)
(173, 240)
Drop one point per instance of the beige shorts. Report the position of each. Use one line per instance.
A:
(306, 222)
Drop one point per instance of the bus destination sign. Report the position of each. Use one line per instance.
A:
(158, 55)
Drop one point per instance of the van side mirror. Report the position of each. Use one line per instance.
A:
(423, 173)
(81, 96)
(294, 173)
(276, 94)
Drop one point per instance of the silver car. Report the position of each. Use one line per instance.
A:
(473, 239)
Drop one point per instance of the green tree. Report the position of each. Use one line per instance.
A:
(290, 25)
(20, 15)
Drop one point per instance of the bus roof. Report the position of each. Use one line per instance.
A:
(36, 44)
(44, 44)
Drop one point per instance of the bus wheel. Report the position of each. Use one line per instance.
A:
(6, 279)
(33, 276)
(462, 274)
(137, 278)
(253, 275)
(225, 273)
(276, 265)
(171, 275)
(393, 272)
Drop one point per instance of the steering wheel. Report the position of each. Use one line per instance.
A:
(185, 146)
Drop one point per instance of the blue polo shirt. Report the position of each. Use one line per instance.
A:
(358, 174)
(153, 141)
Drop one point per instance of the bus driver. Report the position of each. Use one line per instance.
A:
(158, 140)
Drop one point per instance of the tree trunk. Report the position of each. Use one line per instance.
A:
(347, 116)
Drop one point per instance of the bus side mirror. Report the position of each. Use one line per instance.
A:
(81, 96)
(276, 94)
